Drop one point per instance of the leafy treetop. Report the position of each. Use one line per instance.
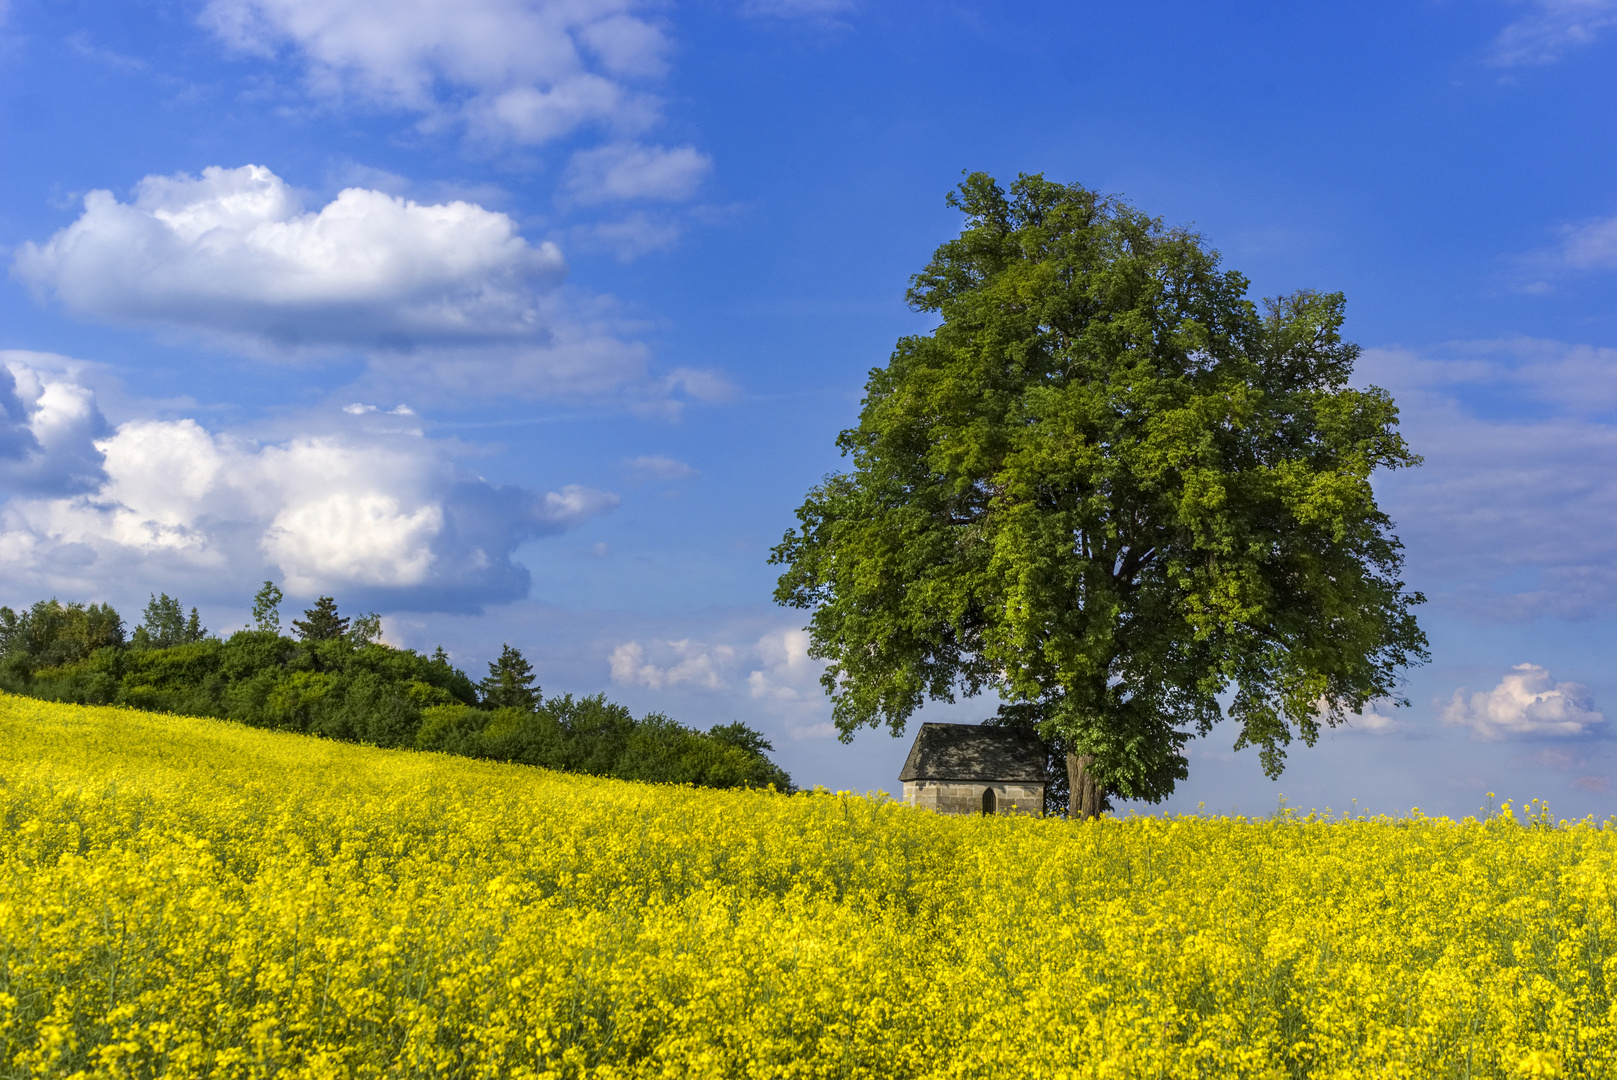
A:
(50, 633)
(164, 625)
(267, 608)
(1111, 489)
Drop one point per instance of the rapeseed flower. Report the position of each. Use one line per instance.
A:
(190, 898)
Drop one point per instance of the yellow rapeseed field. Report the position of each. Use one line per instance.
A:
(190, 898)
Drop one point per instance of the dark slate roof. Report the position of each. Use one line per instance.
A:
(974, 752)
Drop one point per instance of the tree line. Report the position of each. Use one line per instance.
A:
(331, 676)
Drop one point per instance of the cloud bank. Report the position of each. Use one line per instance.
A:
(235, 252)
(363, 507)
(525, 71)
(449, 297)
(1525, 704)
(775, 669)
(505, 73)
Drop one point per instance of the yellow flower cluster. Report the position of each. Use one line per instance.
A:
(190, 898)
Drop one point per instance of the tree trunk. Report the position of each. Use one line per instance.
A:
(1083, 791)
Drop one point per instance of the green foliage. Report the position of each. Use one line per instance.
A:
(347, 686)
(49, 634)
(367, 628)
(591, 735)
(164, 625)
(510, 682)
(267, 608)
(321, 622)
(1110, 489)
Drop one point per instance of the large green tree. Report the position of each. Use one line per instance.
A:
(1113, 490)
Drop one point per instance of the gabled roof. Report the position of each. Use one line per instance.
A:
(975, 752)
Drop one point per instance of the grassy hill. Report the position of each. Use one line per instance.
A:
(188, 897)
(346, 686)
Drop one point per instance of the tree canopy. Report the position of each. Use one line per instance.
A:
(164, 625)
(50, 633)
(1111, 489)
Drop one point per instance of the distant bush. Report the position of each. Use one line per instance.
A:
(339, 683)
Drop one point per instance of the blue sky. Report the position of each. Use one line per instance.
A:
(533, 321)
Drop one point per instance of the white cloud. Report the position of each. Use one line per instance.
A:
(625, 171)
(48, 422)
(1551, 29)
(1581, 248)
(448, 297)
(234, 252)
(660, 664)
(1525, 704)
(661, 468)
(698, 384)
(363, 507)
(1591, 246)
(786, 672)
(523, 70)
(365, 539)
(1377, 718)
(775, 668)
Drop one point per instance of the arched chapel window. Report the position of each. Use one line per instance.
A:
(990, 804)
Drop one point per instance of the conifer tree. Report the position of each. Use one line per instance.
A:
(321, 622)
(510, 682)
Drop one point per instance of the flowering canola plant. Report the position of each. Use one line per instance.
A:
(189, 898)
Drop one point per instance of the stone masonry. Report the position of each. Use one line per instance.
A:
(975, 769)
(955, 797)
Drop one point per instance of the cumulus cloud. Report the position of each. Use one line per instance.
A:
(627, 171)
(660, 664)
(775, 669)
(1525, 704)
(448, 296)
(1552, 28)
(381, 510)
(235, 252)
(525, 72)
(528, 71)
(48, 424)
(786, 672)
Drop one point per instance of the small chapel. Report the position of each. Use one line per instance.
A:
(975, 769)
